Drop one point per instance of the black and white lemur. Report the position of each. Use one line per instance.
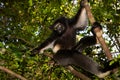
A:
(63, 43)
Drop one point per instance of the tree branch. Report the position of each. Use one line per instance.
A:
(100, 38)
(12, 73)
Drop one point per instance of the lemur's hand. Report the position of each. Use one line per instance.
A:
(97, 29)
(34, 52)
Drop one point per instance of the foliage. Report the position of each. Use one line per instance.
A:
(25, 23)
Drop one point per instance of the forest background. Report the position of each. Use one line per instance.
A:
(25, 23)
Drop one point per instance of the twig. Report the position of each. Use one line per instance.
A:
(12, 73)
(48, 55)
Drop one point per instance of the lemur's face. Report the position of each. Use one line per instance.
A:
(59, 25)
(60, 28)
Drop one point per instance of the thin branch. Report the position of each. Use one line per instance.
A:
(78, 74)
(12, 73)
(48, 55)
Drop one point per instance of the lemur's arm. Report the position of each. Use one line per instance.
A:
(80, 20)
(48, 43)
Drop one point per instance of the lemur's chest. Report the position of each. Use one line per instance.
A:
(69, 34)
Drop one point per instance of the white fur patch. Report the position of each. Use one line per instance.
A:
(47, 47)
(102, 75)
(56, 48)
(83, 19)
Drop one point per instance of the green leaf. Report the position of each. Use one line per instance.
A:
(1, 44)
(30, 2)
